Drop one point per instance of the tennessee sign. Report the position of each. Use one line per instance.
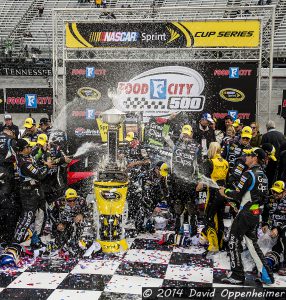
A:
(161, 90)
(232, 34)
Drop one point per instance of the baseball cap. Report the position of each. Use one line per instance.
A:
(278, 186)
(29, 123)
(246, 132)
(7, 117)
(187, 129)
(258, 152)
(163, 168)
(70, 193)
(44, 121)
(22, 144)
(236, 123)
(130, 136)
(42, 139)
(270, 150)
(208, 117)
(31, 144)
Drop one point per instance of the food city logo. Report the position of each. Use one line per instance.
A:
(232, 95)
(108, 195)
(89, 94)
(88, 72)
(82, 132)
(233, 72)
(162, 89)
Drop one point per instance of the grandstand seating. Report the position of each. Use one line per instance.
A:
(19, 16)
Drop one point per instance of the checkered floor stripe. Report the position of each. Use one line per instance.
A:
(121, 276)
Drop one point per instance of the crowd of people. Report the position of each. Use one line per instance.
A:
(234, 166)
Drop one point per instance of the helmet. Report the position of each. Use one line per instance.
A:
(70, 193)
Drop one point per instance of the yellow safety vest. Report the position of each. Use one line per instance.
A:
(220, 168)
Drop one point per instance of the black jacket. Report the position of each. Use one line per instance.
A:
(275, 138)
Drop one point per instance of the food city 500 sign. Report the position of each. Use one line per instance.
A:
(232, 34)
(158, 88)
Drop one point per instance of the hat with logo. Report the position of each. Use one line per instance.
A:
(236, 123)
(70, 193)
(270, 150)
(42, 139)
(31, 144)
(278, 186)
(246, 132)
(44, 121)
(187, 129)
(22, 144)
(258, 152)
(207, 117)
(163, 168)
(130, 136)
(29, 123)
(7, 117)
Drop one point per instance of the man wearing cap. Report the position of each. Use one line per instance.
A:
(31, 131)
(274, 218)
(45, 126)
(135, 153)
(185, 158)
(237, 124)
(154, 190)
(138, 162)
(9, 125)
(30, 194)
(204, 135)
(234, 149)
(9, 206)
(271, 168)
(68, 215)
(251, 192)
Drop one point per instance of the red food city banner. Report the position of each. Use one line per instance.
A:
(29, 100)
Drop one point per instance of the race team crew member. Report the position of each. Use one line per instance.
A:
(31, 131)
(215, 168)
(184, 174)
(155, 190)
(251, 192)
(234, 150)
(30, 195)
(274, 218)
(9, 125)
(68, 216)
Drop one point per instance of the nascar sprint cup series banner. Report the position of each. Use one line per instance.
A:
(157, 89)
(232, 34)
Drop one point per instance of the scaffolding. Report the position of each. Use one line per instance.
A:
(263, 54)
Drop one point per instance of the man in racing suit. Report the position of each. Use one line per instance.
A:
(274, 217)
(232, 151)
(251, 192)
(31, 197)
(183, 181)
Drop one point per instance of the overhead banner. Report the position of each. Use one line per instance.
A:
(158, 89)
(29, 100)
(230, 34)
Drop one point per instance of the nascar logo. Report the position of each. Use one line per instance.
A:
(114, 36)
